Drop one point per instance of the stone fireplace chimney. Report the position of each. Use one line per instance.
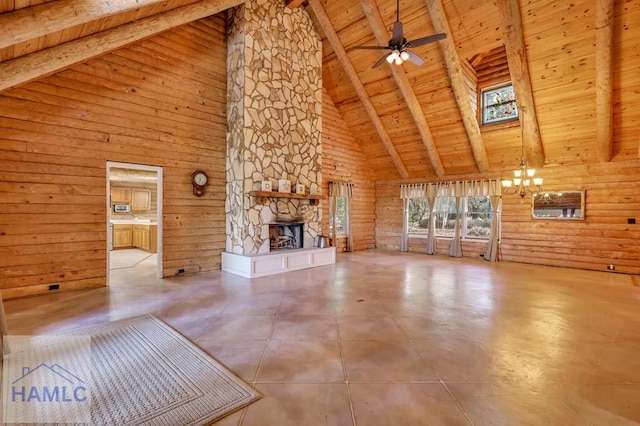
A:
(274, 120)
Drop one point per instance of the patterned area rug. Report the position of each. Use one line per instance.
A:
(142, 372)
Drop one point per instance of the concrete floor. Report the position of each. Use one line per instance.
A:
(390, 338)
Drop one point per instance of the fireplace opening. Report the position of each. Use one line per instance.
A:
(286, 235)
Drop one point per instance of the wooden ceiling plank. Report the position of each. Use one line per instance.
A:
(7, 6)
(45, 62)
(48, 18)
(604, 80)
(511, 22)
(410, 98)
(456, 75)
(352, 75)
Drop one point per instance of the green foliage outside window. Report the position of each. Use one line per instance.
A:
(476, 222)
(338, 217)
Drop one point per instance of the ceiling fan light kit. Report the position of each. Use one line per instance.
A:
(399, 46)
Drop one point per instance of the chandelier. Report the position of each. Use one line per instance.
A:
(523, 181)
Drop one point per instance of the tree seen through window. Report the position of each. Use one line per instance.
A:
(475, 223)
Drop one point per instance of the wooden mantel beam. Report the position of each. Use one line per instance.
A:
(46, 62)
(604, 80)
(454, 68)
(377, 24)
(350, 71)
(511, 22)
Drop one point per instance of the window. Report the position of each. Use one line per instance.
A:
(418, 216)
(445, 216)
(475, 223)
(477, 218)
(499, 104)
(337, 219)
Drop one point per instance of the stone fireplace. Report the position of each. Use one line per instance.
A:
(274, 122)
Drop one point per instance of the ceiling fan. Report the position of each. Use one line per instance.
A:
(399, 46)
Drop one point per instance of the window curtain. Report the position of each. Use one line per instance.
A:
(341, 189)
(404, 240)
(456, 189)
(473, 188)
(408, 191)
(495, 198)
(432, 193)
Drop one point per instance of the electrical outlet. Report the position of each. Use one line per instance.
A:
(611, 267)
(631, 221)
(181, 271)
(54, 286)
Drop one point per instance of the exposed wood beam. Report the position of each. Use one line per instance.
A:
(604, 80)
(45, 62)
(478, 58)
(292, 4)
(341, 54)
(456, 75)
(410, 98)
(48, 18)
(511, 22)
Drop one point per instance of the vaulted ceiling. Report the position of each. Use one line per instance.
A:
(574, 65)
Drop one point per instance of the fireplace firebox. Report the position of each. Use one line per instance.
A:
(286, 235)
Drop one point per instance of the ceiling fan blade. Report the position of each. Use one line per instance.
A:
(425, 40)
(370, 47)
(380, 61)
(397, 37)
(415, 58)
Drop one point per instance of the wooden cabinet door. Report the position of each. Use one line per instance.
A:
(122, 236)
(153, 238)
(120, 195)
(141, 199)
(141, 236)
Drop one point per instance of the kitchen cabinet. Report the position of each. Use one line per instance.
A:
(145, 237)
(140, 236)
(120, 195)
(122, 236)
(141, 199)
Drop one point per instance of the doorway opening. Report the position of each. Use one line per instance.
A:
(134, 220)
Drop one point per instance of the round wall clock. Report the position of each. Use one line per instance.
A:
(199, 179)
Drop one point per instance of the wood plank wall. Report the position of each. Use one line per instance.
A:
(603, 238)
(158, 102)
(343, 160)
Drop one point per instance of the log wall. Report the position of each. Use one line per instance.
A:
(343, 160)
(605, 237)
(158, 102)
